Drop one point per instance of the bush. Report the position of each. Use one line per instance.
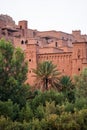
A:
(8, 109)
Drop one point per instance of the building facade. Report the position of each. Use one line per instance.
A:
(67, 51)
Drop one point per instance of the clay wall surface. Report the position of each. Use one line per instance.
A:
(48, 33)
(22, 24)
(67, 49)
(78, 37)
(31, 56)
(47, 50)
(79, 57)
(20, 42)
(62, 60)
(30, 33)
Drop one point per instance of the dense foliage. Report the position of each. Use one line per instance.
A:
(13, 70)
(23, 109)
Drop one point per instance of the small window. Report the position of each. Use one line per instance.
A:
(78, 53)
(78, 56)
(78, 69)
(22, 42)
(20, 27)
(26, 41)
(29, 60)
(29, 71)
(56, 44)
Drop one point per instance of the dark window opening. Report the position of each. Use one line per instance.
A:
(20, 27)
(29, 60)
(56, 44)
(78, 69)
(26, 41)
(29, 71)
(78, 56)
(22, 42)
(78, 53)
(47, 38)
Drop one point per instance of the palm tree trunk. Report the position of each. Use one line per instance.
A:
(46, 83)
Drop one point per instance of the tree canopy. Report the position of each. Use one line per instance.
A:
(81, 83)
(13, 70)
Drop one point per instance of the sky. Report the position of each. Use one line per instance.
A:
(44, 15)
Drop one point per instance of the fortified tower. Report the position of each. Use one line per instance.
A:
(22, 24)
(20, 37)
(79, 57)
(31, 57)
(23, 27)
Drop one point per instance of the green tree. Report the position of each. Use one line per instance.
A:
(47, 75)
(81, 84)
(67, 87)
(13, 70)
(8, 109)
(26, 113)
(66, 83)
(81, 90)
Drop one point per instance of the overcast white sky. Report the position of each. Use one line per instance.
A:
(43, 15)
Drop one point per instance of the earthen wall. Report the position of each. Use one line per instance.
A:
(67, 51)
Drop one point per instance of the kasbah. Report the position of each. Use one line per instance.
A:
(67, 51)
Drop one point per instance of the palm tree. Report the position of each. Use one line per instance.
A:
(66, 83)
(47, 75)
(68, 87)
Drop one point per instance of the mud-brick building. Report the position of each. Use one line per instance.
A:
(67, 51)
